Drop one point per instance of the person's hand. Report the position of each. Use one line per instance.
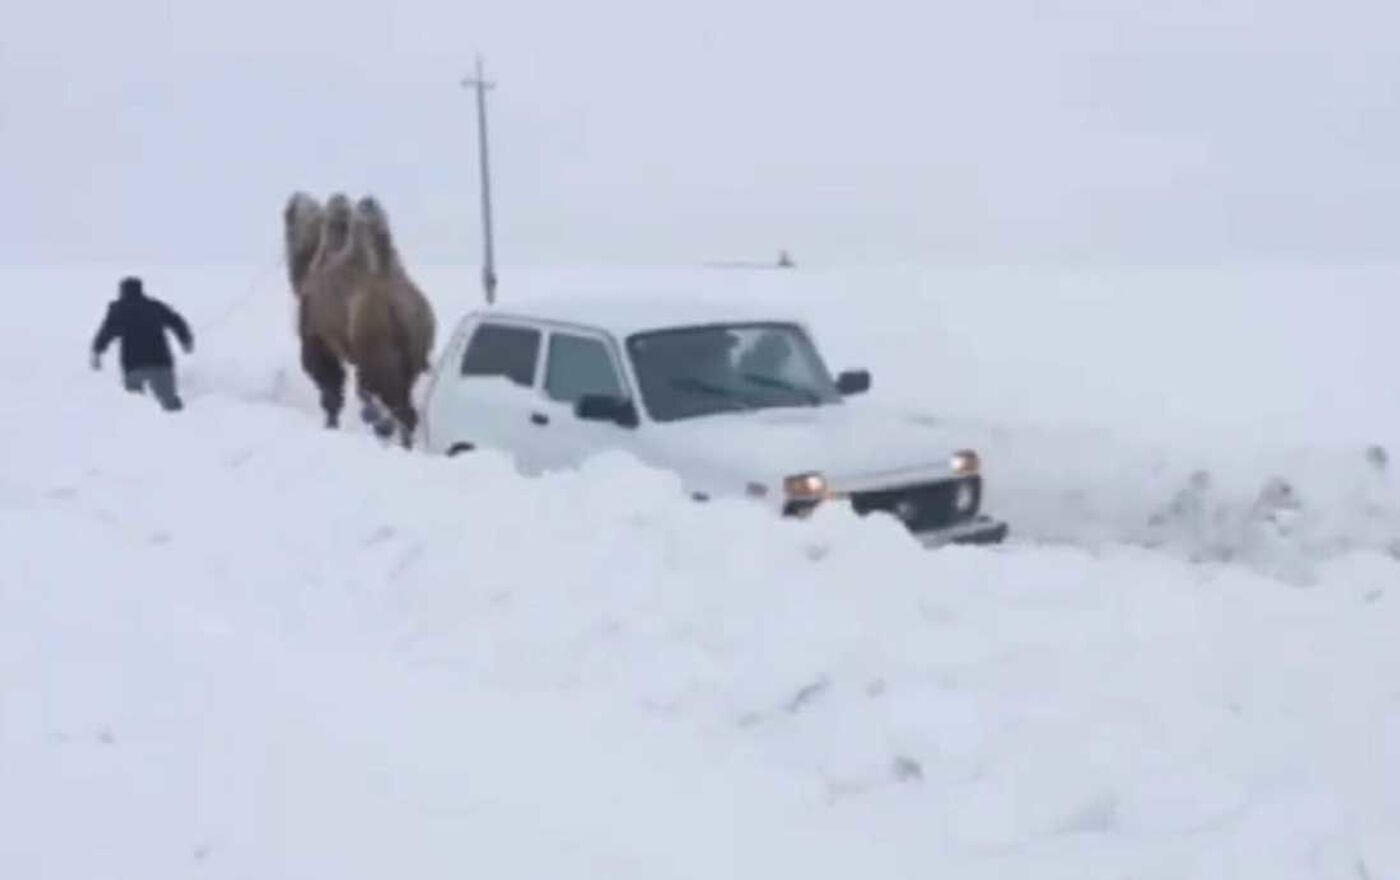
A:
(96, 361)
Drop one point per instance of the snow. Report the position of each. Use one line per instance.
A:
(236, 645)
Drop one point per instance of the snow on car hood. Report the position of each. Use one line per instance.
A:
(845, 442)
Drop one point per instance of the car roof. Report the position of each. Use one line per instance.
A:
(626, 314)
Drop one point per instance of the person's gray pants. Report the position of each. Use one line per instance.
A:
(161, 381)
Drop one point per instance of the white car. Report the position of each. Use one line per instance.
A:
(737, 403)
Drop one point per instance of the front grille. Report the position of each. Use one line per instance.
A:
(924, 506)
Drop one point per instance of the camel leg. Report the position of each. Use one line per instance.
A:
(370, 411)
(326, 370)
(408, 423)
(400, 403)
(392, 392)
(384, 426)
(370, 388)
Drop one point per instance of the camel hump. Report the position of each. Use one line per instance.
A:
(302, 217)
(334, 242)
(300, 206)
(375, 236)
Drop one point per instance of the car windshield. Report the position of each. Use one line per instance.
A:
(698, 371)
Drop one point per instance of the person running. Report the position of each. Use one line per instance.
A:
(140, 322)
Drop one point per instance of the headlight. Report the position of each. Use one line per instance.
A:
(805, 487)
(965, 463)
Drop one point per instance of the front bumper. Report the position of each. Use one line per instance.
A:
(978, 530)
(930, 511)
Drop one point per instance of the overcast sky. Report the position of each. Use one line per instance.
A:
(650, 132)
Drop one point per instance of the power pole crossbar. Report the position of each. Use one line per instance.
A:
(488, 270)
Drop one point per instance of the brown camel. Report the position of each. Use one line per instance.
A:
(357, 305)
(321, 284)
(391, 323)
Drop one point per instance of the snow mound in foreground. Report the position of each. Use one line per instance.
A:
(238, 645)
(1097, 398)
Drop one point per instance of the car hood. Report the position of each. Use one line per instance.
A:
(845, 442)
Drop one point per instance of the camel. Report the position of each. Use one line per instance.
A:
(357, 305)
(391, 326)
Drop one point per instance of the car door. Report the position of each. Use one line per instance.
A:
(577, 362)
(485, 397)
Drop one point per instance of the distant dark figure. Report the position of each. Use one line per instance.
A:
(140, 322)
(785, 260)
(1377, 457)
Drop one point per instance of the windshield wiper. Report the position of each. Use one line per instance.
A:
(691, 383)
(782, 384)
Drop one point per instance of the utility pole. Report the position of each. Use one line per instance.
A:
(488, 269)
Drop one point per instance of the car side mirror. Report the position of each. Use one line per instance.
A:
(603, 408)
(853, 382)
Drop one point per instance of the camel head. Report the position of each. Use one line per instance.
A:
(301, 226)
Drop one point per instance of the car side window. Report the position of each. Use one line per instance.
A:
(578, 366)
(504, 351)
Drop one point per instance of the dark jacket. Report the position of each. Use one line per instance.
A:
(140, 322)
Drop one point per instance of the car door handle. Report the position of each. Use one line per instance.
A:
(539, 418)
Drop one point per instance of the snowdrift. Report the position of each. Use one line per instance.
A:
(1159, 408)
(236, 644)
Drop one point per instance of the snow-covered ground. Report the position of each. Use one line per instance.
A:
(235, 645)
